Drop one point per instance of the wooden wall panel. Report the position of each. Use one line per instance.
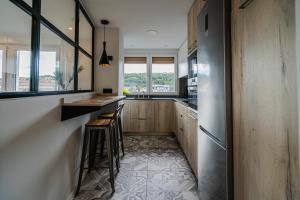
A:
(266, 149)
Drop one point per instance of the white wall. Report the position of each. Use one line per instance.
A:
(107, 77)
(39, 154)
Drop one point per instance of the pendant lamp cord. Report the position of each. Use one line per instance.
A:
(104, 33)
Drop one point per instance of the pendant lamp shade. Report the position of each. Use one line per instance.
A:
(104, 61)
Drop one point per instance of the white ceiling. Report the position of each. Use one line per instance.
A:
(135, 17)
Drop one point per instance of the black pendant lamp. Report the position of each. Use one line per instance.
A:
(104, 60)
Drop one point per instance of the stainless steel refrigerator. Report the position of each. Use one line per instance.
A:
(215, 163)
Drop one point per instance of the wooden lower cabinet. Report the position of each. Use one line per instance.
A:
(164, 110)
(192, 138)
(158, 117)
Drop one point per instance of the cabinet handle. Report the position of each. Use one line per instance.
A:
(142, 119)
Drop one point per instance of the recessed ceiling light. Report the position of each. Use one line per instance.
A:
(70, 28)
(152, 32)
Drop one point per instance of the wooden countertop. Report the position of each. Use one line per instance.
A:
(73, 109)
(96, 101)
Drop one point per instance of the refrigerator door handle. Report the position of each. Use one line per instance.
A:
(209, 134)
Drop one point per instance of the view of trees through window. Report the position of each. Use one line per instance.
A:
(135, 77)
(162, 75)
(163, 78)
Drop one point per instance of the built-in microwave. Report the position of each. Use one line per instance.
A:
(193, 67)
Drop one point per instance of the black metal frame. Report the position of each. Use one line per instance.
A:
(37, 20)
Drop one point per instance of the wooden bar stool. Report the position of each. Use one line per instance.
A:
(118, 119)
(93, 128)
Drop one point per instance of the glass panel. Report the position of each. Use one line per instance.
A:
(135, 77)
(56, 65)
(15, 41)
(163, 78)
(23, 65)
(84, 72)
(61, 13)
(85, 34)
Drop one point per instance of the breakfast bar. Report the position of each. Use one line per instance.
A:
(77, 108)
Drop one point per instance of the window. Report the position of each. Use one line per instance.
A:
(85, 33)
(135, 74)
(163, 75)
(56, 64)
(84, 72)
(61, 14)
(15, 41)
(23, 73)
(38, 50)
(150, 75)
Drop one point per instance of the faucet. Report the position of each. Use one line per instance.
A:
(143, 94)
(138, 91)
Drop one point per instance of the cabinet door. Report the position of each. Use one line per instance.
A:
(190, 29)
(141, 109)
(163, 116)
(126, 116)
(193, 141)
(142, 125)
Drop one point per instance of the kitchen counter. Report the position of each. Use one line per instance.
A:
(179, 100)
(78, 108)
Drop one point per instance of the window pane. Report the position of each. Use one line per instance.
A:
(61, 13)
(15, 40)
(135, 77)
(85, 34)
(84, 72)
(56, 64)
(163, 77)
(23, 64)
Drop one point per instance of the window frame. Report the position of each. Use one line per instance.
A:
(34, 12)
(149, 54)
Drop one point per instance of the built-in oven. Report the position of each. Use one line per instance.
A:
(192, 92)
(192, 79)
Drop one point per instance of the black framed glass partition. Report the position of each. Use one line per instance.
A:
(46, 47)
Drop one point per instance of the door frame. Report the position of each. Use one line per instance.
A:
(297, 21)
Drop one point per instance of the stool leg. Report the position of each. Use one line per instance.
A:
(92, 149)
(102, 142)
(121, 134)
(109, 138)
(117, 147)
(84, 148)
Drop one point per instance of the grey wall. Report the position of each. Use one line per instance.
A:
(39, 154)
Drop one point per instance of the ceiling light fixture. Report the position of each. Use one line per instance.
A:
(104, 60)
(70, 28)
(152, 32)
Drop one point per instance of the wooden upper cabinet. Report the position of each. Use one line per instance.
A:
(192, 24)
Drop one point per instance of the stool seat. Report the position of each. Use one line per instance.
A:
(107, 115)
(99, 123)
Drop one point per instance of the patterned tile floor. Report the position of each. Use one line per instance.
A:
(153, 168)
